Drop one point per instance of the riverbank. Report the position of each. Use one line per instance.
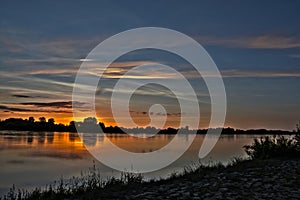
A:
(256, 179)
(249, 179)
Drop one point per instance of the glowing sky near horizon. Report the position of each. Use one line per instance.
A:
(256, 46)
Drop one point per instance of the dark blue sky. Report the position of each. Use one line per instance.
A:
(255, 44)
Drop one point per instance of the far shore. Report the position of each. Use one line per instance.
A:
(90, 125)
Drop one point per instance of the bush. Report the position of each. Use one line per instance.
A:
(274, 147)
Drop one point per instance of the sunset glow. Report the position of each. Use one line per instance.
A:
(259, 61)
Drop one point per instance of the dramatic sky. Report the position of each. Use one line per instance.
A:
(256, 46)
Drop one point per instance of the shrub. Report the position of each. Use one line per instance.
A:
(274, 147)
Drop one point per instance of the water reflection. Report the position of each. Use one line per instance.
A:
(29, 139)
(41, 142)
(29, 159)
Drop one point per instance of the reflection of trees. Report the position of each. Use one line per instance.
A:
(73, 137)
(50, 138)
(89, 139)
(29, 139)
(41, 138)
(100, 138)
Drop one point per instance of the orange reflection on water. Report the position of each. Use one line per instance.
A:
(45, 144)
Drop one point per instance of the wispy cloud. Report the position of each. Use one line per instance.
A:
(177, 114)
(6, 108)
(258, 73)
(257, 42)
(55, 47)
(59, 104)
(40, 92)
(59, 107)
(16, 109)
(55, 104)
(190, 74)
(20, 96)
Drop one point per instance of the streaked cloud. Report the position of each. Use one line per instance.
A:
(178, 114)
(59, 107)
(20, 96)
(253, 42)
(6, 108)
(235, 73)
(56, 104)
(190, 74)
(27, 110)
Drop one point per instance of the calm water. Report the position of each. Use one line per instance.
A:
(30, 159)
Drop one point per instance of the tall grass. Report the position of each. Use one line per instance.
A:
(89, 181)
(92, 183)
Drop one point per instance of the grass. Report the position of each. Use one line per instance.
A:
(91, 182)
(87, 182)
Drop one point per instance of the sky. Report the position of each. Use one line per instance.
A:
(255, 45)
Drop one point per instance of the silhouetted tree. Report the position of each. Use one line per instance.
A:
(72, 127)
(31, 119)
(102, 125)
(51, 121)
(72, 124)
(90, 120)
(42, 119)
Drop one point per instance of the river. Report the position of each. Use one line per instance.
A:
(32, 159)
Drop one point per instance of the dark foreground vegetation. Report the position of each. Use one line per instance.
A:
(274, 147)
(271, 172)
(91, 125)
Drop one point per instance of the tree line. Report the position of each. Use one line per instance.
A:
(90, 124)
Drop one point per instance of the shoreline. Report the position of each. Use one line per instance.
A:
(240, 132)
(243, 179)
(249, 179)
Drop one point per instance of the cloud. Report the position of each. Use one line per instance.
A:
(51, 107)
(53, 72)
(56, 104)
(15, 109)
(114, 70)
(153, 113)
(20, 96)
(191, 74)
(253, 42)
(234, 73)
(63, 49)
(41, 92)
(12, 109)
(15, 81)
